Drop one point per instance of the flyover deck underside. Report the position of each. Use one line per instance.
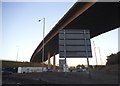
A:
(99, 18)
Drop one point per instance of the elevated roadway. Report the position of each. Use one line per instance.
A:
(98, 17)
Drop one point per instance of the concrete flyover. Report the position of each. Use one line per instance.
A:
(98, 17)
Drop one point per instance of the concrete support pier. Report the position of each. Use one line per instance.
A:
(54, 62)
(49, 60)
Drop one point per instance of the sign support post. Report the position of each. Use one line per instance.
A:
(87, 55)
(65, 55)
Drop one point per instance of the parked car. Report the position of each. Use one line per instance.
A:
(5, 72)
(49, 70)
(81, 70)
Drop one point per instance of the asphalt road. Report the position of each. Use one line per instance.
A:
(61, 78)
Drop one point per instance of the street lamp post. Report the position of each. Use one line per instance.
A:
(100, 55)
(95, 53)
(43, 39)
(17, 53)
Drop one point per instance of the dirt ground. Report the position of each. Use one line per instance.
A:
(61, 78)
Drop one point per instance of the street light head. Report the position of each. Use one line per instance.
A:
(39, 20)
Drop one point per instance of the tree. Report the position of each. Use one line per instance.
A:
(113, 59)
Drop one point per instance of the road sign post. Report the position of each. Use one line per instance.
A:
(65, 54)
(87, 55)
